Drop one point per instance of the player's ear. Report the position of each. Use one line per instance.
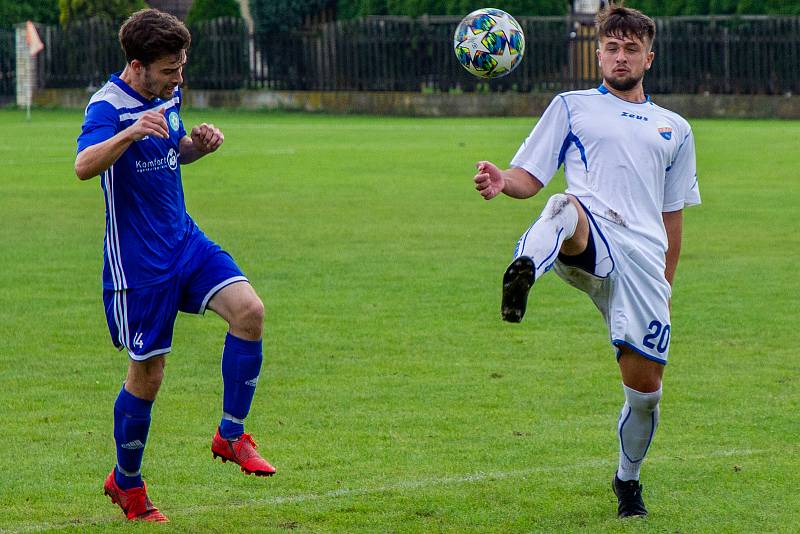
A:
(650, 56)
(137, 65)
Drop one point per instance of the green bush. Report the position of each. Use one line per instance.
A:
(662, 8)
(285, 14)
(74, 10)
(415, 8)
(212, 9)
(12, 12)
(656, 8)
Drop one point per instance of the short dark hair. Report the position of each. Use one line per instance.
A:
(620, 21)
(150, 34)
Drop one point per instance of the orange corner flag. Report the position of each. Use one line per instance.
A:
(35, 44)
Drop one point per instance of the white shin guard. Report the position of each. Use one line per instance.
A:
(637, 425)
(542, 241)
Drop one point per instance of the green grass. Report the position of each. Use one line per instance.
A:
(392, 398)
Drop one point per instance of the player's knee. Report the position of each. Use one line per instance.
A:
(556, 204)
(145, 377)
(639, 373)
(251, 317)
(155, 370)
(154, 380)
(641, 401)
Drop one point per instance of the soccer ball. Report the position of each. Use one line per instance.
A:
(489, 43)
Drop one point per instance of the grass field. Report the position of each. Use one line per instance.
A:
(393, 399)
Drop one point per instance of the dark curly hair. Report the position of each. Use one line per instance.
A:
(616, 20)
(150, 34)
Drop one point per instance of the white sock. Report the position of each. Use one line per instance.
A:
(638, 421)
(542, 241)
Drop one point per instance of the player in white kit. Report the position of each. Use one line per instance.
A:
(616, 231)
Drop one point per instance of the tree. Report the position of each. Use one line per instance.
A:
(416, 8)
(73, 10)
(44, 11)
(666, 8)
(212, 9)
(284, 14)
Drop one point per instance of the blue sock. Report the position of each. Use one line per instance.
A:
(131, 424)
(241, 365)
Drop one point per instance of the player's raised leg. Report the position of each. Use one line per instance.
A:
(561, 228)
(637, 425)
(239, 305)
(131, 425)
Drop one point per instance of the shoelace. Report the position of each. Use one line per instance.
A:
(241, 450)
(248, 438)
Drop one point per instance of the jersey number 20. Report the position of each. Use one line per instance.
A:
(657, 332)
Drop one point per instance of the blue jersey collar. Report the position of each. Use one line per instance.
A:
(604, 91)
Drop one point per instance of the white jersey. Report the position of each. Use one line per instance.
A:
(625, 162)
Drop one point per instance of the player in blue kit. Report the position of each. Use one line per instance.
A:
(156, 260)
(616, 231)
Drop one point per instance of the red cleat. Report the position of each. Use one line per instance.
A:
(241, 451)
(134, 502)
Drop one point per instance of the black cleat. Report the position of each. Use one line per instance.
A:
(517, 282)
(629, 497)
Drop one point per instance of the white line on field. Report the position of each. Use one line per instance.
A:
(402, 485)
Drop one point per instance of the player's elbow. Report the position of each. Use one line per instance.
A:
(80, 173)
(533, 183)
(82, 170)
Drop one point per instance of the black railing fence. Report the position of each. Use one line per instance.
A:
(401, 54)
(745, 55)
(219, 55)
(733, 55)
(7, 63)
(82, 56)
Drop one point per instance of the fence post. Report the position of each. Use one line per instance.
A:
(26, 70)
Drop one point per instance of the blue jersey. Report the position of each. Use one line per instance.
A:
(147, 227)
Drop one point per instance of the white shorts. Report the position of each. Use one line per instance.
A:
(629, 288)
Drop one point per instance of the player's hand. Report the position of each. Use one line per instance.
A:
(150, 123)
(206, 138)
(489, 181)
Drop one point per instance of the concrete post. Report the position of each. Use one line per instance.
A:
(26, 70)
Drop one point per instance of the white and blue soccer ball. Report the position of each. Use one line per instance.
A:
(489, 43)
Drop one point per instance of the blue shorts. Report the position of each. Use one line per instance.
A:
(141, 319)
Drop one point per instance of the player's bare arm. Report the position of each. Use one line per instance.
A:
(203, 139)
(673, 223)
(97, 158)
(515, 182)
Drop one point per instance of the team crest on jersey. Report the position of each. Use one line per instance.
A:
(174, 121)
(665, 130)
(172, 159)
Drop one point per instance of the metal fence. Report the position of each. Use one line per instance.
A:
(401, 54)
(7, 64)
(747, 55)
(743, 55)
(726, 55)
(83, 56)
